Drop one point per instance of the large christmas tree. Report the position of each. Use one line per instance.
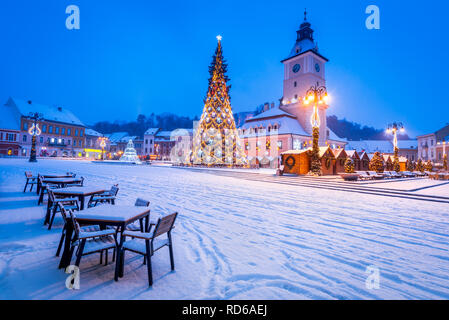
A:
(216, 141)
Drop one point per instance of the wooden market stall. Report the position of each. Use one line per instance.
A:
(340, 159)
(327, 161)
(296, 161)
(388, 162)
(364, 161)
(355, 157)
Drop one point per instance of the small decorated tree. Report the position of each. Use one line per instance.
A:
(377, 163)
(315, 165)
(420, 166)
(445, 162)
(410, 165)
(349, 165)
(428, 166)
(396, 166)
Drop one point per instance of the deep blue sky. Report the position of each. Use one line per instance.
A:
(142, 56)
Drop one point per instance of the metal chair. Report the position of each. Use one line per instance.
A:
(30, 181)
(53, 207)
(152, 242)
(138, 226)
(88, 242)
(105, 197)
(44, 189)
(76, 184)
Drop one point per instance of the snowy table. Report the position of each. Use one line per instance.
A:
(38, 189)
(105, 215)
(61, 182)
(80, 192)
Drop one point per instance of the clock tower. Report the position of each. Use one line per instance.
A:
(304, 68)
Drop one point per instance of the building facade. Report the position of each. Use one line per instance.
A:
(61, 132)
(407, 148)
(288, 126)
(433, 146)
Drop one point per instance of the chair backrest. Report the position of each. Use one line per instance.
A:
(114, 190)
(51, 195)
(28, 174)
(165, 224)
(75, 223)
(82, 181)
(71, 174)
(142, 203)
(64, 211)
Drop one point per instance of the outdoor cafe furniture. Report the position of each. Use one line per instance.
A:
(53, 206)
(30, 181)
(138, 226)
(67, 175)
(105, 215)
(91, 242)
(146, 244)
(57, 182)
(363, 175)
(105, 197)
(375, 175)
(78, 192)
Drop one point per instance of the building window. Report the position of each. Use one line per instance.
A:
(24, 138)
(81, 133)
(79, 143)
(280, 144)
(295, 84)
(146, 142)
(63, 131)
(44, 128)
(41, 139)
(50, 129)
(69, 131)
(68, 142)
(56, 130)
(25, 126)
(76, 132)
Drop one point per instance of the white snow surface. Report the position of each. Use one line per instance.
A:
(234, 239)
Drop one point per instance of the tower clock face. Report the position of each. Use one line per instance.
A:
(296, 68)
(317, 67)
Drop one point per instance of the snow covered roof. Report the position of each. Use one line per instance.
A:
(408, 144)
(352, 153)
(334, 137)
(273, 112)
(92, 132)
(182, 132)
(371, 146)
(116, 136)
(151, 131)
(296, 151)
(127, 138)
(285, 125)
(10, 118)
(50, 113)
(338, 152)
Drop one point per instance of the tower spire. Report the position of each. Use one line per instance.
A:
(305, 14)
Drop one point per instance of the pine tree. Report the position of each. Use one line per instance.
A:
(377, 163)
(315, 165)
(410, 165)
(349, 165)
(216, 141)
(396, 165)
(428, 166)
(420, 166)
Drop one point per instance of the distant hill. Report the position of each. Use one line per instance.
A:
(355, 131)
(169, 121)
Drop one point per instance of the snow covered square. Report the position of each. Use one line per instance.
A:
(238, 236)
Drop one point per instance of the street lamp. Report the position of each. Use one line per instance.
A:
(34, 131)
(317, 95)
(393, 128)
(102, 145)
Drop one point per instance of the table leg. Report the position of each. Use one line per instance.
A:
(67, 253)
(119, 263)
(47, 215)
(81, 202)
(147, 223)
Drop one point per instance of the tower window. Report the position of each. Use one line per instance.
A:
(295, 84)
(296, 96)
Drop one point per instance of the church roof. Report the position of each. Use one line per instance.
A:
(286, 125)
(273, 112)
(304, 41)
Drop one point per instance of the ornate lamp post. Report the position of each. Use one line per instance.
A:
(34, 131)
(102, 145)
(444, 154)
(317, 95)
(393, 128)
